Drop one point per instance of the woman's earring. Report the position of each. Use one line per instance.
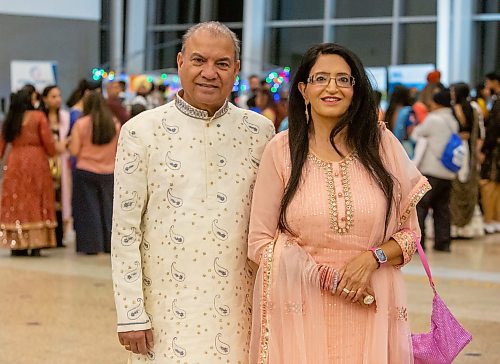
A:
(307, 113)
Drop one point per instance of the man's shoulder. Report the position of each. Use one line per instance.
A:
(143, 122)
(252, 116)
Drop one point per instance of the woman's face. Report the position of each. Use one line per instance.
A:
(328, 101)
(53, 99)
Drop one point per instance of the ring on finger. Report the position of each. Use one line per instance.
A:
(347, 291)
(368, 300)
(127, 347)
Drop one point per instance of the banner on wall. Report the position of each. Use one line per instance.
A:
(409, 75)
(38, 73)
(378, 78)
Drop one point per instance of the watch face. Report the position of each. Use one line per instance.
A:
(382, 258)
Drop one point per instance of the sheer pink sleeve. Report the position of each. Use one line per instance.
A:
(267, 195)
(410, 187)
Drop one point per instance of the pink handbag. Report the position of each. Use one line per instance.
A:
(447, 337)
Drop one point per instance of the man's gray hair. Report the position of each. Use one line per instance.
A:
(217, 29)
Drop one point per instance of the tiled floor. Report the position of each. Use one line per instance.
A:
(59, 308)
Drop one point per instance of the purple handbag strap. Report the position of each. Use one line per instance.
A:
(425, 263)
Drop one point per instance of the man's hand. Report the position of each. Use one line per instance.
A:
(138, 342)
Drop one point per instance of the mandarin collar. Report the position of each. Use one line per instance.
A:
(193, 112)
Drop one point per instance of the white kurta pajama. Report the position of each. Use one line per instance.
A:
(183, 185)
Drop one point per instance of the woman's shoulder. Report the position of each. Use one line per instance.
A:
(279, 141)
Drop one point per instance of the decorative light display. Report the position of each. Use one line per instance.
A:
(277, 79)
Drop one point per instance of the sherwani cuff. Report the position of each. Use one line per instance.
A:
(142, 323)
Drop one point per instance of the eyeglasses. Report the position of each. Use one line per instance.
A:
(323, 79)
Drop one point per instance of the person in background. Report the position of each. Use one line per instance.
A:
(75, 100)
(136, 109)
(253, 85)
(142, 88)
(59, 165)
(377, 95)
(27, 213)
(184, 179)
(437, 129)
(464, 197)
(35, 96)
(400, 117)
(481, 98)
(423, 104)
(266, 105)
(113, 92)
(93, 142)
(490, 156)
(332, 221)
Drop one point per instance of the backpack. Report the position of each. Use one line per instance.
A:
(453, 156)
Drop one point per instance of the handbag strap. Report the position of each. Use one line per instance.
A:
(425, 263)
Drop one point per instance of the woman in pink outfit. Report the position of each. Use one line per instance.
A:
(333, 220)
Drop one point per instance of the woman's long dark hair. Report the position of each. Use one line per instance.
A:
(362, 132)
(400, 97)
(20, 102)
(78, 93)
(462, 98)
(45, 93)
(103, 125)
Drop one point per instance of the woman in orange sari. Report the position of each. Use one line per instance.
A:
(27, 214)
(333, 219)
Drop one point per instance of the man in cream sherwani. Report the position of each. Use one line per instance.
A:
(183, 183)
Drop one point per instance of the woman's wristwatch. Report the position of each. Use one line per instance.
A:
(379, 255)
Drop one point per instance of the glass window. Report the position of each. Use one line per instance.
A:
(418, 43)
(372, 43)
(487, 6)
(485, 56)
(362, 8)
(287, 45)
(166, 45)
(230, 10)
(420, 7)
(176, 11)
(293, 9)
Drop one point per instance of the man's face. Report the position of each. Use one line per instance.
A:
(113, 89)
(254, 84)
(207, 70)
(492, 85)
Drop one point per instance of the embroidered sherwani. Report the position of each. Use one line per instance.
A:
(183, 186)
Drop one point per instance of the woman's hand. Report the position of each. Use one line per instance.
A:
(354, 277)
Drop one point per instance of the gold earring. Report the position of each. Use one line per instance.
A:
(307, 113)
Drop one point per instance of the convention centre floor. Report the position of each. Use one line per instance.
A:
(59, 309)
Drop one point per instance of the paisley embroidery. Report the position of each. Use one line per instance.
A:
(250, 126)
(178, 312)
(221, 161)
(222, 198)
(174, 201)
(172, 163)
(129, 204)
(176, 238)
(177, 274)
(218, 231)
(220, 270)
(254, 161)
(178, 350)
(133, 275)
(129, 239)
(221, 346)
(135, 312)
(222, 310)
(131, 166)
(171, 129)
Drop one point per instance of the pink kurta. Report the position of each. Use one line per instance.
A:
(337, 213)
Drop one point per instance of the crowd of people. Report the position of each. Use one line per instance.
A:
(464, 200)
(202, 207)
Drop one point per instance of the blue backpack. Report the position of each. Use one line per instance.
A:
(453, 154)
